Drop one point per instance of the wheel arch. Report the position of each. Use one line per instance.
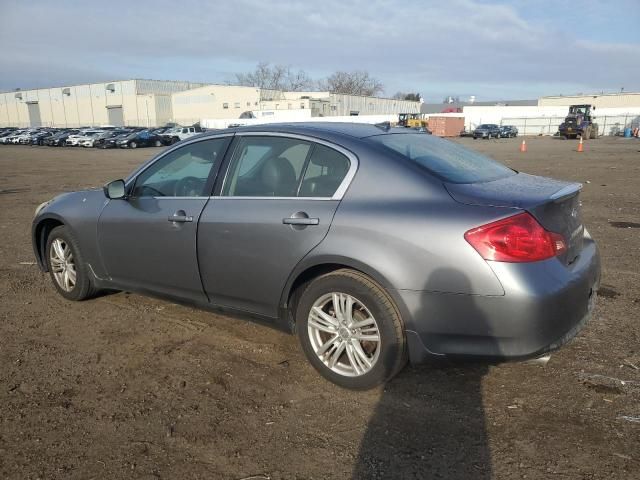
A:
(308, 271)
(40, 233)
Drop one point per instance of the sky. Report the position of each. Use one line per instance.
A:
(519, 49)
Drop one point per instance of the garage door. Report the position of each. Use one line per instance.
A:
(34, 114)
(116, 117)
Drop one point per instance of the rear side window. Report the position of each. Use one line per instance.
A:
(445, 159)
(284, 167)
(266, 167)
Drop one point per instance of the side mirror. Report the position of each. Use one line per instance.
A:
(114, 190)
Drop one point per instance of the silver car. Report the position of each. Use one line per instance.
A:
(375, 245)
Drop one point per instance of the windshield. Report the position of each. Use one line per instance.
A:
(445, 159)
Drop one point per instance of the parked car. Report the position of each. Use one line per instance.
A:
(60, 138)
(113, 142)
(508, 131)
(374, 245)
(141, 139)
(40, 137)
(487, 130)
(9, 139)
(25, 137)
(90, 140)
(176, 134)
(101, 140)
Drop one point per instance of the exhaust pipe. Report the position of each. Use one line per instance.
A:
(542, 361)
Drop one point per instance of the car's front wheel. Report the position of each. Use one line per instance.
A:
(66, 266)
(350, 330)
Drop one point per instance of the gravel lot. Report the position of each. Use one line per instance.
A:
(125, 386)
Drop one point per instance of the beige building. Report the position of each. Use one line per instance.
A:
(151, 103)
(223, 102)
(605, 100)
(213, 101)
(128, 102)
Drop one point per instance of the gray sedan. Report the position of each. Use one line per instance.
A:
(375, 245)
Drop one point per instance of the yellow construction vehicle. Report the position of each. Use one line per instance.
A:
(412, 120)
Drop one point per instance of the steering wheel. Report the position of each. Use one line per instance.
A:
(188, 187)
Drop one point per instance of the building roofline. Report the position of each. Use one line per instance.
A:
(122, 80)
(594, 95)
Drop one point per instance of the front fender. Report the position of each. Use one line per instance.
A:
(79, 212)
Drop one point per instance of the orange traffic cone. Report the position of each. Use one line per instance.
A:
(523, 146)
(580, 146)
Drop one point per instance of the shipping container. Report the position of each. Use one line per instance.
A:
(446, 126)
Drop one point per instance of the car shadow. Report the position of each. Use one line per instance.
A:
(429, 422)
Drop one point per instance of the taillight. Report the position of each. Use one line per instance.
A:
(515, 239)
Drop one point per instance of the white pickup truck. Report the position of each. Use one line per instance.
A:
(180, 133)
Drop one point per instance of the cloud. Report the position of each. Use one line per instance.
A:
(411, 45)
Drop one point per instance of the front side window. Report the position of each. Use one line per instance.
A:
(183, 172)
(266, 167)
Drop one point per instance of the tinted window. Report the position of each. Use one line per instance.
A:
(445, 159)
(183, 172)
(266, 167)
(325, 172)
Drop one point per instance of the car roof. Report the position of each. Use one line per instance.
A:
(319, 129)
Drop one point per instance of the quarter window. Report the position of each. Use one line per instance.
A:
(183, 172)
(325, 172)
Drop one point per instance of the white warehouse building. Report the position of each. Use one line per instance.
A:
(228, 101)
(127, 102)
(152, 103)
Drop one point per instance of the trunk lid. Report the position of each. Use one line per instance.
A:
(555, 204)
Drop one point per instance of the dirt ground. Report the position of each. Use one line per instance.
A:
(125, 386)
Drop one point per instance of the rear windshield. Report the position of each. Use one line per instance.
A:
(445, 159)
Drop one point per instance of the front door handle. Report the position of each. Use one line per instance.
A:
(177, 218)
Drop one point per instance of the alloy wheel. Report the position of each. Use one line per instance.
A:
(344, 334)
(63, 264)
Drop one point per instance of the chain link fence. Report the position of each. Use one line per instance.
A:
(607, 125)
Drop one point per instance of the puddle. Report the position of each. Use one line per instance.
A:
(624, 224)
(607, 292)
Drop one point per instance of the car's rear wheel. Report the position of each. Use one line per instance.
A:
(66, 266)
(133, 145)
(350, 330)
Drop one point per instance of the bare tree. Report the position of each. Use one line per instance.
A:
(353, 83)
(276, 77)
(414, 97)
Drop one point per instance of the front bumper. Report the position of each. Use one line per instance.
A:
(544, 306)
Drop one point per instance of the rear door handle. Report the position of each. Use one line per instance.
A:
(301, 221)
(180, 218)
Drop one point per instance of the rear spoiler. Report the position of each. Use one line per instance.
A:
(565, 192)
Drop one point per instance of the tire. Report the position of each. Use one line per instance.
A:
(586, 133)
(174, 140)
(387, 356)
(83, 287)
(594, 131)
(157, 143)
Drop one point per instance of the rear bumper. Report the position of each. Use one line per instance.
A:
(544, 306)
